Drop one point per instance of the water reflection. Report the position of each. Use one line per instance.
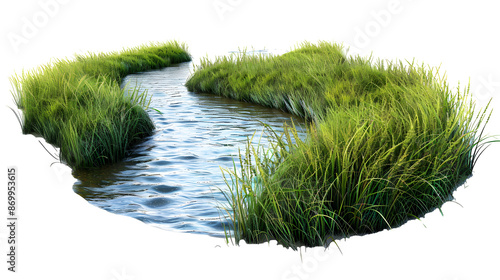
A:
(172, 179)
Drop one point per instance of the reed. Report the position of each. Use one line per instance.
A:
(78, 105)
(387, 142)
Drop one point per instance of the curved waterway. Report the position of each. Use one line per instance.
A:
(173, 179)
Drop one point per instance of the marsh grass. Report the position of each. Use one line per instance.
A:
(78, 105)
(387, 142)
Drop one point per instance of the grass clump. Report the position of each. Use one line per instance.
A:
(78, 104)
(387, 142)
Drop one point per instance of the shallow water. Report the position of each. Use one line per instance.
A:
(173, 179)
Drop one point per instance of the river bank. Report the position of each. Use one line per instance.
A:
(62, 236)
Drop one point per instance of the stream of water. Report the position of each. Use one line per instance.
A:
(173, 179)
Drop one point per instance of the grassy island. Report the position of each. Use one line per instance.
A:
(78, 105)
(387, 142)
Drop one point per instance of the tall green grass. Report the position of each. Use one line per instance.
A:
(387, 142)
(78, 104)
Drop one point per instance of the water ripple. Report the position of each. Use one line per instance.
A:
(173, 179)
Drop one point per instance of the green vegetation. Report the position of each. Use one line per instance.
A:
(387, 142)
(78, 104)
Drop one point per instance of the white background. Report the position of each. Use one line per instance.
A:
(61, 236)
